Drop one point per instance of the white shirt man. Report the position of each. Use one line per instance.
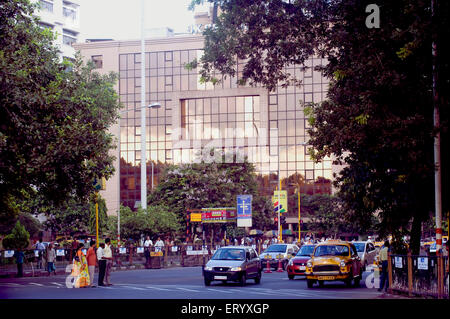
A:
(159, 244)
(148, 242)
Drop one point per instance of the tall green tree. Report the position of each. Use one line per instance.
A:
(202, 185)
(54, 116)
(378, 115)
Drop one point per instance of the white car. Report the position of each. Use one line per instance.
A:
(366, 251)
(278, 252)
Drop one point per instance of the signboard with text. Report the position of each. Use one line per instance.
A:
(244, 210)
(219, 215)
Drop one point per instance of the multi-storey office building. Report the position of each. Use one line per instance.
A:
(63, 18)
(269, 128)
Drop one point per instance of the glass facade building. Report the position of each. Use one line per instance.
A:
(198, 118)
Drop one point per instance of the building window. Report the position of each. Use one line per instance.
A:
(68, 40)
(98, 61)
(69, 12)
(46, 5)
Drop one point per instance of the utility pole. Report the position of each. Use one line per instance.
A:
(437, 138)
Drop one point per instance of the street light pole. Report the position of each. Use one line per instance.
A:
(143, 114)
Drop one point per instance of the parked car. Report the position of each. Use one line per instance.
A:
(334, 260)
(233, 263)
(276, 252)
(297, 265)
(366, 251)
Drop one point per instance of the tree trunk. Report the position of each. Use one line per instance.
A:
(416, 234)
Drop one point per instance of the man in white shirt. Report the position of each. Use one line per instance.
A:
(107, 254)
(147, 244)
(159, 244)
(101, 264)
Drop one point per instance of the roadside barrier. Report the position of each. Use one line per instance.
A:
(423, 276)
(129, 257)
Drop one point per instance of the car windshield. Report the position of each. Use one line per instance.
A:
(305, 251)
(359, 247)
(276, 249)
(331, 250)
(229, 254)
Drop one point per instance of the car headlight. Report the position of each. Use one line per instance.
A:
(236, 269)
(343, 264)
(207, 268)
(309, 264)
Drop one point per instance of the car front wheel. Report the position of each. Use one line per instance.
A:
(310, 283)
(207, 282)
(243, 279)
(258, 278)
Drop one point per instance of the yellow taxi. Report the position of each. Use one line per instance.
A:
(334, 260)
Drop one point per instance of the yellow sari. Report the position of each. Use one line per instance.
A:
(80, 271)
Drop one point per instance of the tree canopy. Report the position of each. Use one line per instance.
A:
(54, 116)
(377, 119)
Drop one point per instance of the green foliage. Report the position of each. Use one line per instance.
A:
(77, 217)
(157, 220)
(377, 119)
(54, 116)
(18, 239)
(202, 185)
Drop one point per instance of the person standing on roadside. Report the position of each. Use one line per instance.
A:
(91, 257)
(107, 254)
(384, 280)
(147, 246)
(101, 264)
(20, 256)
(51, 257)
(159, 244)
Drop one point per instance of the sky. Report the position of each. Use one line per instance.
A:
(121, 19)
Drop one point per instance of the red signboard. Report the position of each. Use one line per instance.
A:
(218, 215)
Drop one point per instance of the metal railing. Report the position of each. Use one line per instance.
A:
(423, 276)
(184, 255)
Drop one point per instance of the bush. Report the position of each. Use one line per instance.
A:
(18, 239)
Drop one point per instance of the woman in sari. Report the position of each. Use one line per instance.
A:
(80, 269)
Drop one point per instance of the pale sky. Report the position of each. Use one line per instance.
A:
(121, 19)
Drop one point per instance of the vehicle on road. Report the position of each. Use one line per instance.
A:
(334, 260)
(278, 252)
(366, 251)
(233, 263)
(297, 265)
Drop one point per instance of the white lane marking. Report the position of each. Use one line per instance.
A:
(10, 284)
(157, 288)
(135, 288)
(185, 289)
(33, 283)
(219, 290)
(57, 284)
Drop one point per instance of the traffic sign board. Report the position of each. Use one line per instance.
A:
(244, 210)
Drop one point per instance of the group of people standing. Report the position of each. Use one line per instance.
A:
(84, 265)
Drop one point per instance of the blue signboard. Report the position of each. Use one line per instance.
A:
(244, 210)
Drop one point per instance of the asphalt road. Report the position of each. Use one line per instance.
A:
(180, 283)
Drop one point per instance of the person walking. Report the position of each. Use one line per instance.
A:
(107, 254)
(40, 248)
(101, 264)
(51, 257)
(91, 257)
(80, 269)
(384, 280)
(20, 256)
